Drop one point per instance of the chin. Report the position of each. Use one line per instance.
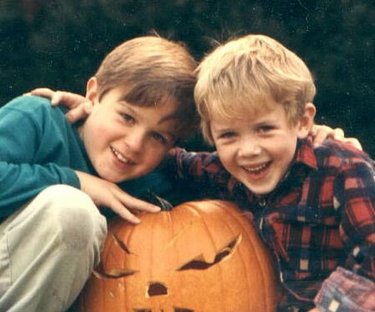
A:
(113, 178)
(259, 191)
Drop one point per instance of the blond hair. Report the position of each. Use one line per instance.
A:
(238, 77)
(155, 71)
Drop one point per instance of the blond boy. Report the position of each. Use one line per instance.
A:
(314, 208)
(55, 176)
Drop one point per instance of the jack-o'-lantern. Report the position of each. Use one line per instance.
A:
(201, 256)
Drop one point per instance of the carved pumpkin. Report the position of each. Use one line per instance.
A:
(200, 256)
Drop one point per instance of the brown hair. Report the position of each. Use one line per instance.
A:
(155, 70)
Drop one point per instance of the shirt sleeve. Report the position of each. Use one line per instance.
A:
(345, 291)
(353, 288)
(199, 167)
(22, 177)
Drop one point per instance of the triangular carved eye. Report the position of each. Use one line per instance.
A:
(121, 244)
(199, 264)
(115, 273)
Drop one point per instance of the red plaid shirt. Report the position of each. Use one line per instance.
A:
(319, 222)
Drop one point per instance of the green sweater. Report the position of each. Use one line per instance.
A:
(39, 148)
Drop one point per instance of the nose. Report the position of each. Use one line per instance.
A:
(135, 140)
(157, 289)
(249, 148)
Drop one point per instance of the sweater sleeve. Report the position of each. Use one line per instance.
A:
(26, 154)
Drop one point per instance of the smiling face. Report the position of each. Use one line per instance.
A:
(125, 141)
(258, 148)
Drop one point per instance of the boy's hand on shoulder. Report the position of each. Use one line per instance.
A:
(79, 107)
(108, 194)
(322, 132)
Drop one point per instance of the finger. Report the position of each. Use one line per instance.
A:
(126, 214)
(314, 130)
(138, 204)
(320, 137)
(69, 99)
(87, 107)
(338, 134)
(56, 98)
(44, 92)
(77, 113)
(354, 142)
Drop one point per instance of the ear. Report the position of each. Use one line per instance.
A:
(306, 122)
(92, 90)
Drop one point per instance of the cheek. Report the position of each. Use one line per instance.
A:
(152, 156)
(92, 128)
(284, 149)
(226, 155)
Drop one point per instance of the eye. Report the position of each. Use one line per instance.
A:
(129, 119)
(198, 264)
(226, 135)
(265, 128)
(160, 138)
(101, 272)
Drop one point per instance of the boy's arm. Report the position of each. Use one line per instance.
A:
(30, 147)
(353, 288)
(199, 168)
(20, 178)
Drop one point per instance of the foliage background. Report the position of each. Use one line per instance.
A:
(59, 44)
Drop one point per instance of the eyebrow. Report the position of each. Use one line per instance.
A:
(222, 129)
(164, 119)
(168, 117)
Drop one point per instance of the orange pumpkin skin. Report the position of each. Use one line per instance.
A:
(201, 256)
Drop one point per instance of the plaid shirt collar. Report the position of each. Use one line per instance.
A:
(305, 154)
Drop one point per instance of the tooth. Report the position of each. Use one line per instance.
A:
(119, 156)
(257, 168)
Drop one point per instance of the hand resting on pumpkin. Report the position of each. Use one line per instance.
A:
(108, 194)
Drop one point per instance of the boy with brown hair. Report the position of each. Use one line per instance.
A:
(55, 176)
(313, 207)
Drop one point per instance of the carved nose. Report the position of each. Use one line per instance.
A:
(157, 289)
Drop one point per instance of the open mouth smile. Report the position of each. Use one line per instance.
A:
(256, 170)
(120, 156)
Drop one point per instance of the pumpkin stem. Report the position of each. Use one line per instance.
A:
(157, 200)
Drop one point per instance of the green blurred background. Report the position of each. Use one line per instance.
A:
(59, 44)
